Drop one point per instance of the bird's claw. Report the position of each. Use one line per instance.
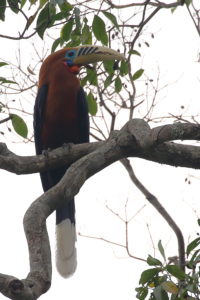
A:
(46, 152)
(68, 146)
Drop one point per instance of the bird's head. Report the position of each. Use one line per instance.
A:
(76, 57)
(73, 59)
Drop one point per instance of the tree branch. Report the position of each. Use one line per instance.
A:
(134, 139)
(156, 204)
(160, 151)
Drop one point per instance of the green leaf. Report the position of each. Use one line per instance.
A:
(83, 81)
(42, 3)
(160, 294)
(19, 125)
(118, 85)
(141, 293)
(33, 1)
(123, 68)
(176, 272)
(173, 9)
(188, 2)
(2, 10)
(170, 287)
(86, 37)
(55, 45)
(198, 222)
(193, 245)
(99, 30)
(195, 258)
(14, 6)
(3, 64)
(45, 19)
(112, 18)
(134, 52)
(148, 275)
(153, 261)
(65, 7)
(109, 66)
(67, 30)
(92, 76)
(108, 81)
(161, 249)
(92, 105)
(77, 20)
(138, 74)
(4, 80)
(23, 2)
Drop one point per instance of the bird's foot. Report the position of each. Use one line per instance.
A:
(67, 146)
(46, 152)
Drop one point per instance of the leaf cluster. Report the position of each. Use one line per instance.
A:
(167, 281)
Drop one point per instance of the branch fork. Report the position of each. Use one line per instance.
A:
(135, 139)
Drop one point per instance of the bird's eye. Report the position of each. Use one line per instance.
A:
(70, 54)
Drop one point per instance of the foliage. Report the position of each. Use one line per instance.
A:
(167, 281)
(79, 25)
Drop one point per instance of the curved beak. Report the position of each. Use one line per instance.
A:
(92, 54)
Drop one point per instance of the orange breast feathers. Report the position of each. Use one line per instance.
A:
(60, 124)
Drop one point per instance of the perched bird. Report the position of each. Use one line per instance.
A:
(60, 117)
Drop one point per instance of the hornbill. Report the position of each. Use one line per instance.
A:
(60, 117)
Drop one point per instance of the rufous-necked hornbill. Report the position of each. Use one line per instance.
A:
(60, 117)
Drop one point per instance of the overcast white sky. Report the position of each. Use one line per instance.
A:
(104, 271)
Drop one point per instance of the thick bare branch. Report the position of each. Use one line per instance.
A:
(134, 138)
(160, 151)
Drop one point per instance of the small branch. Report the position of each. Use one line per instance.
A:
(141, 26)
(5, 120)
(110, 242)
(158, 4)
(154, 201)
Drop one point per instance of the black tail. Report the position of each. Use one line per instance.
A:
(65, 226)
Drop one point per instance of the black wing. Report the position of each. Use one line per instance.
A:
(38, 117)
(83, 118)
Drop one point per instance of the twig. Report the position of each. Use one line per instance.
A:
(154, 201)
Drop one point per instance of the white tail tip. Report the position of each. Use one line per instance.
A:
(66, 251)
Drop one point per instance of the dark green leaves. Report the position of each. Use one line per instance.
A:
(14, 5)
(66, 30)
(2, 9)
(99, 30)
(118, 85)
(138, 74)
(19, 125)
(148, 275)
(153, 261)
(92, 77)
(45, 19)
(92, 105)
(55, 45)
(193, 245)
(170, 287)
(134, 52)
(108, 81)
(3, 64)
(86, 37)
(141, 293)
(4, 80)
(112, 18)
(123, 68)
(161, 249)
(160, 293)
(176, 272)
